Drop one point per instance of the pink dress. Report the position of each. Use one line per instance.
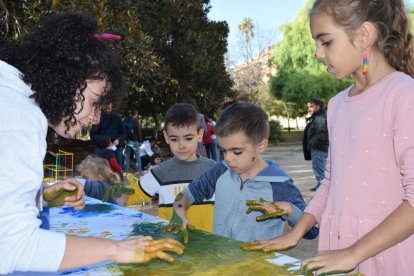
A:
(369, 171)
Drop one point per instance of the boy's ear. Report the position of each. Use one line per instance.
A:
(262, 146)
(166, 137)
(200, 135)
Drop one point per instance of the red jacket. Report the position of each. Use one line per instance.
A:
(207, 138)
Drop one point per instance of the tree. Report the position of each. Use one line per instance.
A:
(169, 48)
(300, 76)
(250, 74)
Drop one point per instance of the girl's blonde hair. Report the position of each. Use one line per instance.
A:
(100, 167)
(395, 40)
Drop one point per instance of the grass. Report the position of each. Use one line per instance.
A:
(294, 136)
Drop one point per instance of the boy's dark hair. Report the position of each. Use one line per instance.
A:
(182, 115)
(57, 57)
(245, 118)
(316, 102)
(105, 141)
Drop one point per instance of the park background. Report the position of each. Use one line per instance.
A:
(173, 48)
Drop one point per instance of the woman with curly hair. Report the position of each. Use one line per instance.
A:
(58, 76)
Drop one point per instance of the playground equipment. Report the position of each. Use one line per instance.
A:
(62, 169)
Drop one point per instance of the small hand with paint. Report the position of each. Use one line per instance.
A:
(280, 243)
(179, 221)
(269, 209)
(331, 262)
(142, 249)
(179, 224)
(65, 193)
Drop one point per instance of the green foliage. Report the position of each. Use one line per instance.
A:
(168, 49)
(300, 76)
(275, 131)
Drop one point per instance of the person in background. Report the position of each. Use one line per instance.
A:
(316, 140)
(146, 151)
(364, 205)
(107, 151)
(208, 140)
(214, 153)
(110, 125)
(132, 146)
(155, 161)
(58, 75)
(101, 182)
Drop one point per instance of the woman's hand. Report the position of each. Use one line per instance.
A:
(330, 262)
(142, 249)
(281, 243)
(67, 192)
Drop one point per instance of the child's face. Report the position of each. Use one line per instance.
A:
(183, 141)
(241, 154)
(89, 113)
(157, 160)
(334, 47)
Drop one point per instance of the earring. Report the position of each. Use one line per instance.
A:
(365, 62)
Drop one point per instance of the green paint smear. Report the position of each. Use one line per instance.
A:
(205, 254)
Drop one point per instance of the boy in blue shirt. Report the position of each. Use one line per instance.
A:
(244, 179)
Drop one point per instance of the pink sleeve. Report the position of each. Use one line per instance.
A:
(403, 108)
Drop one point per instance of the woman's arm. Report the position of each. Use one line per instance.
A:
(84, 251)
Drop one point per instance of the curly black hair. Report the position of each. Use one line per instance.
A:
(57, 57)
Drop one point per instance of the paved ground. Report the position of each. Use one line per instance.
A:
(290, 158)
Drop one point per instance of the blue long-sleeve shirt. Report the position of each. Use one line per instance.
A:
(230, 218)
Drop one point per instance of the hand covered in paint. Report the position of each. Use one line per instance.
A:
(331, 262)
(142, 249)
(179, 224)
(269, 209)
(280, 243)
(67, 192)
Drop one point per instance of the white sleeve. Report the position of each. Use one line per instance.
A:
(147, 148)
(23, 245)
(149, 184)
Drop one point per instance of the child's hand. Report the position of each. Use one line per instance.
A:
(269, 209)
(330, 262)
(281, 243)
(67, 192)
(178, 224)
(142, 249)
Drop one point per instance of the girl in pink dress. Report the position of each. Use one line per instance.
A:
(364, 206)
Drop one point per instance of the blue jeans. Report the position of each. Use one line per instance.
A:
(318, 164)
(215, 150)
(132, 146)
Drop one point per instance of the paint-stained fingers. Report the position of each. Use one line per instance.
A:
(159, 255)
(77, 205)
(171, 227)
(252, 246)
(166, 244)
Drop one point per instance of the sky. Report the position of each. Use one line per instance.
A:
(267, 15)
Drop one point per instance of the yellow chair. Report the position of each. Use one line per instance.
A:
(138, 197)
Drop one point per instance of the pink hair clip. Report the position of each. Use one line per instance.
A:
(106, 36)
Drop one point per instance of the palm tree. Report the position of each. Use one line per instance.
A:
(246, 27)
